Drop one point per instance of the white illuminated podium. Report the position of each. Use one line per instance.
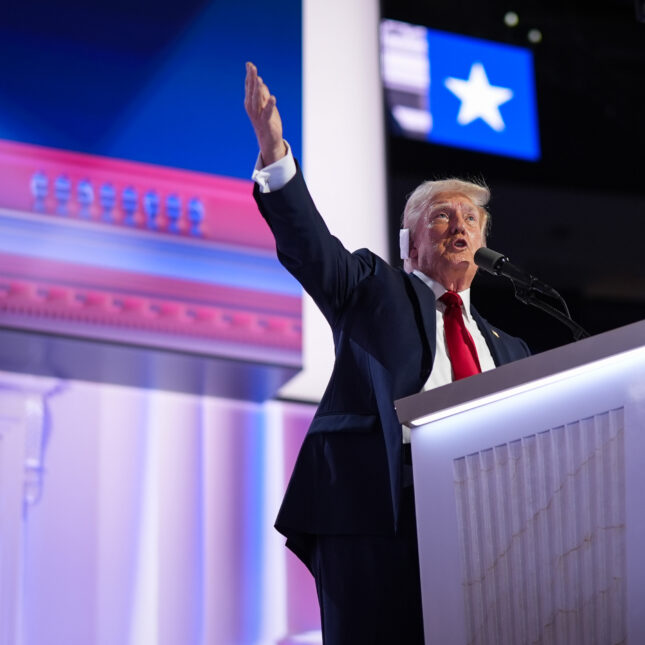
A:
(530, 498)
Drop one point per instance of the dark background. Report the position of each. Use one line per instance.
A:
(576, 218)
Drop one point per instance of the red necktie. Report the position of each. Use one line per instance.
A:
(461, 347)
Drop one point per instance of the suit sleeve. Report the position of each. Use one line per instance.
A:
(305, 247)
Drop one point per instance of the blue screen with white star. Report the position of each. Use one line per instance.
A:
(482, 96)
(460, 91)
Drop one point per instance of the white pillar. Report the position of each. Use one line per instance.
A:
(22, 428)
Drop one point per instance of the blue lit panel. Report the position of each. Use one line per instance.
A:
(160, 82)
(460, 91)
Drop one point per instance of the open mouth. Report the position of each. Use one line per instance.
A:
(460, 244)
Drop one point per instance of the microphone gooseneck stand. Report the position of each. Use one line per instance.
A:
(530, 296)
(528, 289)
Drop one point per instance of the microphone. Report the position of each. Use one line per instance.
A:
(499, 264)
(526, 287)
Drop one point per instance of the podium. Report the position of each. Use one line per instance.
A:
(530, 498)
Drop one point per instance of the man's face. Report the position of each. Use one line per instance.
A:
(445, 239)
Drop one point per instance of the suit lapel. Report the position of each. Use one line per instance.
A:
(492, 338)
(427, 310)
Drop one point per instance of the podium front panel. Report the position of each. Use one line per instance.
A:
(530, 514)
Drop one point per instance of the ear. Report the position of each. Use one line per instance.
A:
(413, 252)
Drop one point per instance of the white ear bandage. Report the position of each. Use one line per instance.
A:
(404, 243)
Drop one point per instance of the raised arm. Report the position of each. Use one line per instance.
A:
(327, 271)
(260, 105)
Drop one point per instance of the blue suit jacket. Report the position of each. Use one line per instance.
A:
(349, 473)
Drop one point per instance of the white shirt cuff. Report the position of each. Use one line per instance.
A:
(276, 175)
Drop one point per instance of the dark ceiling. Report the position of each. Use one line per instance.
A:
(576, 218)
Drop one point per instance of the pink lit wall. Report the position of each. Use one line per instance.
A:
(153, 518)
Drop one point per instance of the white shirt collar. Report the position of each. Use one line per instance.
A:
(438, 289)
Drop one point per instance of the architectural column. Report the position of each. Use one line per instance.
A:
(22, 432)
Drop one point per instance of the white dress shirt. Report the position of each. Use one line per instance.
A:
(276, 175)
(441, 367)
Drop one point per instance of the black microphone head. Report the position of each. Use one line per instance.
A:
(489, 260)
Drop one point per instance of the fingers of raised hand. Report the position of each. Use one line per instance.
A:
(248, 82)
(260, 94)
(267, 110)
(257, 94)
(251, 90)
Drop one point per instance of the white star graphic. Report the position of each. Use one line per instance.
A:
(479, 99)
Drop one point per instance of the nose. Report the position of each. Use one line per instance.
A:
(457, 222)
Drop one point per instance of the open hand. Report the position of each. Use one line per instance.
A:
(261, 107)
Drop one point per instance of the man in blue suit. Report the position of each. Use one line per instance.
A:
(348, 512)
